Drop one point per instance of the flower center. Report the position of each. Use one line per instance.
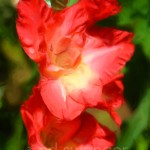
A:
(65, 54)
(78, 78)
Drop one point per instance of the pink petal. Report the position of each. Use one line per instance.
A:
(106, 52)
(58, 102)
(88, 96)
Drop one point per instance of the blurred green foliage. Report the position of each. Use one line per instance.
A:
(18, 74)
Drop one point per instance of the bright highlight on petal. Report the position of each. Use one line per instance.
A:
(78, 79)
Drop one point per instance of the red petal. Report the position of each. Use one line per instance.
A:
(112, 98)
(99, 9)
(32, 16)
(99, 136)
(33, 112)
(40, 28)
(58, 102)
(78, 16)
(42, 125)
(45, 130)
(113, 92)
(107, 51)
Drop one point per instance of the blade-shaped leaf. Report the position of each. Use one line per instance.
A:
(137, 123)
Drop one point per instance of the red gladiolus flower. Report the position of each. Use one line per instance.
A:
(46, 132)
(76, 59)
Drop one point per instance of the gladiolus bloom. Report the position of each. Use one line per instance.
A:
(46, 132)
(76, 59)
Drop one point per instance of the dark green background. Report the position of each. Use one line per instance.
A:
(18, 74)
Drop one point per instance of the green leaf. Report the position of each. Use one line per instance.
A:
(135, 15)
(136, 124)
(142, 143)
(16, 141)
(71, 2)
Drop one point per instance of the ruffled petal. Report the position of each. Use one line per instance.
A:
(80, 15)
(33, 112)
(46, 131)
(32, 17)
(113, 92)
(42, 127)
(106, 52)
(100, 8)
(112, 98)
(99, 136)
(76, 19)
